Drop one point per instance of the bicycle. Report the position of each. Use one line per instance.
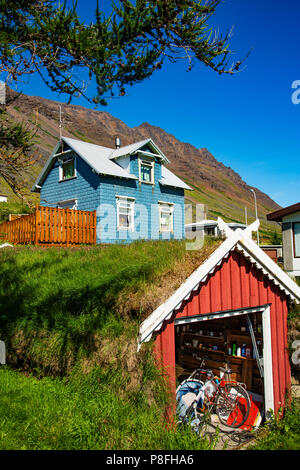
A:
(228, 398)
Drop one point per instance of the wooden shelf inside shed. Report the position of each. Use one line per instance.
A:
(244, 369)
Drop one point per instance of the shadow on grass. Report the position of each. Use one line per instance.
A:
(72, 298)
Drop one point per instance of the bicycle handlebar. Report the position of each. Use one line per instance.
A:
(226, 371)
(208, 372)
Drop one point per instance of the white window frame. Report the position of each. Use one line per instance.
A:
(161, 206)
(122, 200)
(296, 250)
(66, 202)
(62, 161)
(149, 163)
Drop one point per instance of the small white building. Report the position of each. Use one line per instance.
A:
(289, 217)
(3, 198)
(209, 227)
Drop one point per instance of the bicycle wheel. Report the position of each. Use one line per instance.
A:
(191, 419)
(233, 405)
(190, 415)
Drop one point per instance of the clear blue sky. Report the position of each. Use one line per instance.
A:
(247, 121)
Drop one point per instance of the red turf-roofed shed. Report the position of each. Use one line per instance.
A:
(236, 283)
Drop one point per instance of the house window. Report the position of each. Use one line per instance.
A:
(210, 231)
(125, 213)
(296, 229)
(146, 171)
(68, 204)
(67, 169)
(166, 212)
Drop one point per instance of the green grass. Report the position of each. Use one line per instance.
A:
(7, 208)
(54, 302)
(59, 307)
(281, 434)
(84, 413)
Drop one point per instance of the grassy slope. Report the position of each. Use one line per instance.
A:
(92, 412)
(65, 298)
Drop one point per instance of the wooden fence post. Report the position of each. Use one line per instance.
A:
(67, 227)
(94, 237)
(36, 234)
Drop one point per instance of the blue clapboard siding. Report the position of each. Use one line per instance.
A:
(84, 188)
(146, 196)
(94, 192)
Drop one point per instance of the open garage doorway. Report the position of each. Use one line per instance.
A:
(238, 339)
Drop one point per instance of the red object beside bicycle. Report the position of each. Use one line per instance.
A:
(256, 412)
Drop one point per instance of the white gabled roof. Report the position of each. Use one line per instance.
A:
(98, 158)
(94, 155)
(238, 239)
(128, 149)
(169, 179)
(136, 148)
(202, 223)
(101, 159)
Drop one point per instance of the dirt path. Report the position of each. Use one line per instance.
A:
(227, 438)
(237, 439)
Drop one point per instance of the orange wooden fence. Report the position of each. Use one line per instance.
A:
(51, 226)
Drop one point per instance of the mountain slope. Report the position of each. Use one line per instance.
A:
(219, 187)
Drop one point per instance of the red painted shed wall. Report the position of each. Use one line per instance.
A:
(235, 284)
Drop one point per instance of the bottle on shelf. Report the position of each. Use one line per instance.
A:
(234, 349)
(248, 352)
(244, 350)
(238, 351)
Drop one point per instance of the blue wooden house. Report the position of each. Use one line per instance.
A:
(135, 196)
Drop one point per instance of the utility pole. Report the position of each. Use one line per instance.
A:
(60, 124)
(255, 213)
